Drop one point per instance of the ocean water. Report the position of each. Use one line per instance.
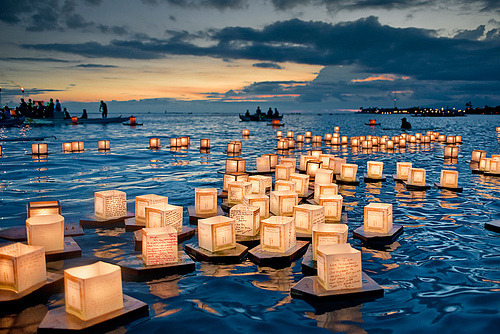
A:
(442, 274)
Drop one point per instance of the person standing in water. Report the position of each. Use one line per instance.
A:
(104, 109)
(405, 124)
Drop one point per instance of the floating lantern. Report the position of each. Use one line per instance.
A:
(433, 137)
(154, 143)
(450, 140)
(21, 267)
(333, 207)
(259, 200)
(110, 204)
(441, 138)
(373, 122)
(39, 149)
(389, 144)
(335, 141)
(348, 172)
(328, 234)
(282, 202)
(277, 234)
(339, 267)
(426, 139)
(374, 169)
(315, 153)
(418, 136)
(141, 202)
(449, 179)
(484, 164)
(366, 144)
(43, 208)
(323, 176)
(230, 177)
(477, 155)
(279, 134)
(284, 185)
(337, 164)
(308, 215)
(260, 183)
(162, 214)
(498, 128)
(93, 290)
(275, 122)
(205, 143)
(133, 120)
(451, 151)
(46, 231)
(66, 147)
(103, 145)
(361, 138)
(317, 139)
(235, 165)
(344, 140)
(303, 161)
(375, 141)
(74, 120)
(336, 129)
(378, 218)
(354, 141)
(494, 166)
(282, 144)
(402, 170)
(216, 233)
(263, 164)
(185, 141)
(291, 143)
(205, 201)
(402, 143)
(301, 183)
(282, 172)
(1, 152)
(312, 166)
(159, 246)
(308, 134)
(245, 133)
(412, 139)
(395, 139)
(175, 142)
(273, 159)
(328, 137)
(288, 162)
(77, 146)
(326, 160)
(234, 147)
(416, 177)
(300, 138)
(246, 218)
(383, 140)
(236, 190)
(289, 134)
(325, 189)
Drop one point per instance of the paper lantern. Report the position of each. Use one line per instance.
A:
(110, 204)
(245, 132)
(93, 290)
(383, 140)
(442, 138)
(484, 164)
(260, 183)
(282, 172)
(162, 214)
(390, 144)
(301, 183)
(159, 246)
(336, 129)
(477, 155)
(374, 169)
(283, 185)
(185, 141)
(308, 215)
(205, 201)
(315, 153)
(402, 170)
(235, 165)
(344, 140)
(216, 233)
(366, 144)
(449, 178)
(39, 149)
(402, 143)
(282, 144)
(451, 151)
(339, 267)
(66, 147)
(46, 231)
(411, 139)
(273, 158)
(348, 172)
(43, 208)
(282, 202)
(303, 161)
(1, 152)
(246, 218)
(289, 134)
(317, 139)
(498, 128)
(328, 234)
(333, 207)
(77, 146)
(231, 177)
(74, 120)
(494, 166)
(154, 143)
(234, 147)
(335, 141)
(416, 177)
(378, 217)
(328, 137)
(337, 164)
(375, 141)
(323, 176)
(327, 162)
(300, 138)
(325, 189)
(103, 145)
(291, 143)
(312, 167)
(308, 134)
(21, 267)
(205, 143)
(236, 190)
(263, 164)
(279, 134)
(395, 139)
(277, 234)
(426, 139)
(175, 142)
(354, 141)
(450, 139)
(288, 162)
(133, 120)
(259, 200)
(141, 202)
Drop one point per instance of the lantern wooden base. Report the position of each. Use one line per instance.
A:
(35, 294)
(135, 124)
(274, 259)
(414, 187)
(493, 226)
(309, 267)
(395, 178)
(308, 194)
(133, 267)
(225, 206)
(58, 321)
(311, 291)
(248, 240)
(222, 194)
(457, 189)
(92, 221)
(255, 172)
(194, 217)
(38, 154)
(186, 234)
(18, 233)
(491, 174)
(370, 180)
(349, 183)
(70, 251)
(378, 238)
(234, 255)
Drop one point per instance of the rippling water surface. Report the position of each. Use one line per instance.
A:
(442, 274)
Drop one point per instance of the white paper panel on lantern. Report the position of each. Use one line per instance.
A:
(403, 170)
(161, 215)
(279, 134)
(231, 177)
(378, 217)
(494, 166)
(235, 165)
(449, 178)
(159, 246)
(216, 233)
(273, 158)
(43, 208)
(303, 161)
(141, 202)
(328, 234)
(307, 215)
(66, 147)
(77, 146)
(39, 149)
(277, 234)
(337, 167)
(451, 151)
(103, 145)
(21, 267)
(325, 159)
(326, 189)
(374, 169)
(263, 164)
(205, 201)
(205, 143)
(282, 202)
(245, 132)
(348, 172)
(288, 162)
(236, 190)
(300, 138)
(477, 155)
(185, 141)
(283, 185)
(301, 183)
(323, 176)
(154, 143)
(312, 166)
(110, 204)
(283, 172)
(260, 183)
(93, 290)
(246, 218)
(259, 200)
(416, 177)
(339, 267)
(333, 207)
(46, 231)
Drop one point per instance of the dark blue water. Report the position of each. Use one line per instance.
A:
(442, 274)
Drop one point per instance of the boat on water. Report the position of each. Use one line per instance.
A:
(259, 118)
(56, 121)
(10, 122)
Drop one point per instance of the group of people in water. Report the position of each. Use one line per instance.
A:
(270, 112)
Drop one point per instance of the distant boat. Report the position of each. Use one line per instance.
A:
(55, 121)
(10, 122)
(256, 118)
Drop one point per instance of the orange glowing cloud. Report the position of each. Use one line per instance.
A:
(382, 77)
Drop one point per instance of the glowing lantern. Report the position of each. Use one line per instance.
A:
(103, 145)
(335, 141)
(418, 136)
(412, 139)
(141, 202)
(21, 267)
(308, 134)
(175, 142)
(159, 246)
(312, 166)
(328, 234)
(317, 139)
(402, 170)
(77, 146)
(288, 162)
(426, 139)
(375, 141)
(273, 158)
(344, 140)
(263, 164)
(451, 151)
(333, 207)
(308, 215)
(282, 172)
(162, 214)
(450, 140)
(303, 161)
(366, 144)
(339, 267)
(494, 166)
(326, 159)
(402, 143)
(373, 122)
(230, 177)
(325, 189)
(277, 234)
(234, 147)
(185, 141)
(484, 164)
(378, 217)
(389, 144)
(133, 120)
(416, 177)
(245, 133)
(66, 147)
(282, 144)
(205, 201)
(260, 183)
(74, 120)
(301, 183)
(246, 218)
(315, 153)
(282, 202)
(43, 208)
(348, 172)
(39, 149)
(383, 140)
(336, 129)
(395, 139)
(1, 150)
(216, 233)
(477, 155)
(154, 143)
(275, 122)
(110, 204)
(259, 200)
(283, 185)
(354, 141)
(93, 290)
(498, 128)
(449, 179)
(205, 143)
(236, 190)
(328, 137)
(47, 231)
(442, 138)
(300, 138)
(289, 134)
(323, 176)
(291, 143)
(375, 169)
(337, 164)
(279, 134)
(235, 165)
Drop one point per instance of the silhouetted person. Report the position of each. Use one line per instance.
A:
(23, 107)
(49, 110)
(84, 114)
(270, 112)
(104, 109)
(66, 114)
(276, 113)
(405, 124)
(247, 113)
(58, 105)
(258, 111)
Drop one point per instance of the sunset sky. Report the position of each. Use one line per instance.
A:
(308, 55)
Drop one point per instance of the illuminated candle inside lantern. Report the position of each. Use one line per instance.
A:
(260, 183)
(279, 134)
(235, 165)
(247, 219)
(308, 134)
(451, 151)
(354, 141)
(450, 139)
(442, 138)
(317, 139)
(449, 178)
(103, 145)
(301, 183)
(205, 143)
(277, 234)
(348, 172)
(77, 146)
(230, 177)
(344, 140)
(325, 189)
(416, 177)
(162, 214)
(328, 234)
(477, 155)
(133, 120)
(205, 201)
(159, 246)
(289, 134)
(141, 202)
(282, 172)
(402, 143)
(374, 169)
(273, 158)
(418, 136)
(300, 138)
(288, 162)
(245, 132)
(46, 231)
(175, 142)
(259, 200)
(375, 141)
(315, 153)
(236, 190)
(335, 141)
(43, 208)
(93, 290)
(39, 149)
(402, 170)
(66, 147)
(366, 144)
(312, 166)
(336, 129)
(154, 143)
(21, 267)
(333, 207)
(284, 185)
(291, 143)
(383, 140)
(185, 141)
(339, 267)
(378, 217)
(74, 120)
(327, 137)
(303, 161)
(110, 204)
(308, 215)
(216, 233)
(389, 144)
(282, 202)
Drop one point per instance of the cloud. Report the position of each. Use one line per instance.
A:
(268, 65)
(471, 34)
(96, 66)
(23, 59)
